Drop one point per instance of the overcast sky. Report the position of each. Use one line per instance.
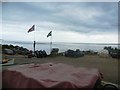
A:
(81, 22)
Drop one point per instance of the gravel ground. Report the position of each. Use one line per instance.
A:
(107, 65)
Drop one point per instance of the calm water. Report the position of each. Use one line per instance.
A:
(62, 46)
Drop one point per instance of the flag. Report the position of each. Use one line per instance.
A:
(31, 29)
(49, 34)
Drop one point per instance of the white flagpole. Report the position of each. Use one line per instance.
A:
(51, 43)
(50, 34)
(34, 35)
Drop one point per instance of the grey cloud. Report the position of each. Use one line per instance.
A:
(48, 12)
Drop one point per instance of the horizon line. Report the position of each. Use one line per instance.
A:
(62, 42)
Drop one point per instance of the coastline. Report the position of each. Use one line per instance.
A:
(62, 45)
(107, 65)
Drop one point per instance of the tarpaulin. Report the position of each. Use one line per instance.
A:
(49, 75)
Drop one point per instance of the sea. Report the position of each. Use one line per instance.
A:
(62, 46)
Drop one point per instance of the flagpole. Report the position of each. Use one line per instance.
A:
(50, 34)
(51, 43)
(30, 30)
(34, 41)
(34, 35)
